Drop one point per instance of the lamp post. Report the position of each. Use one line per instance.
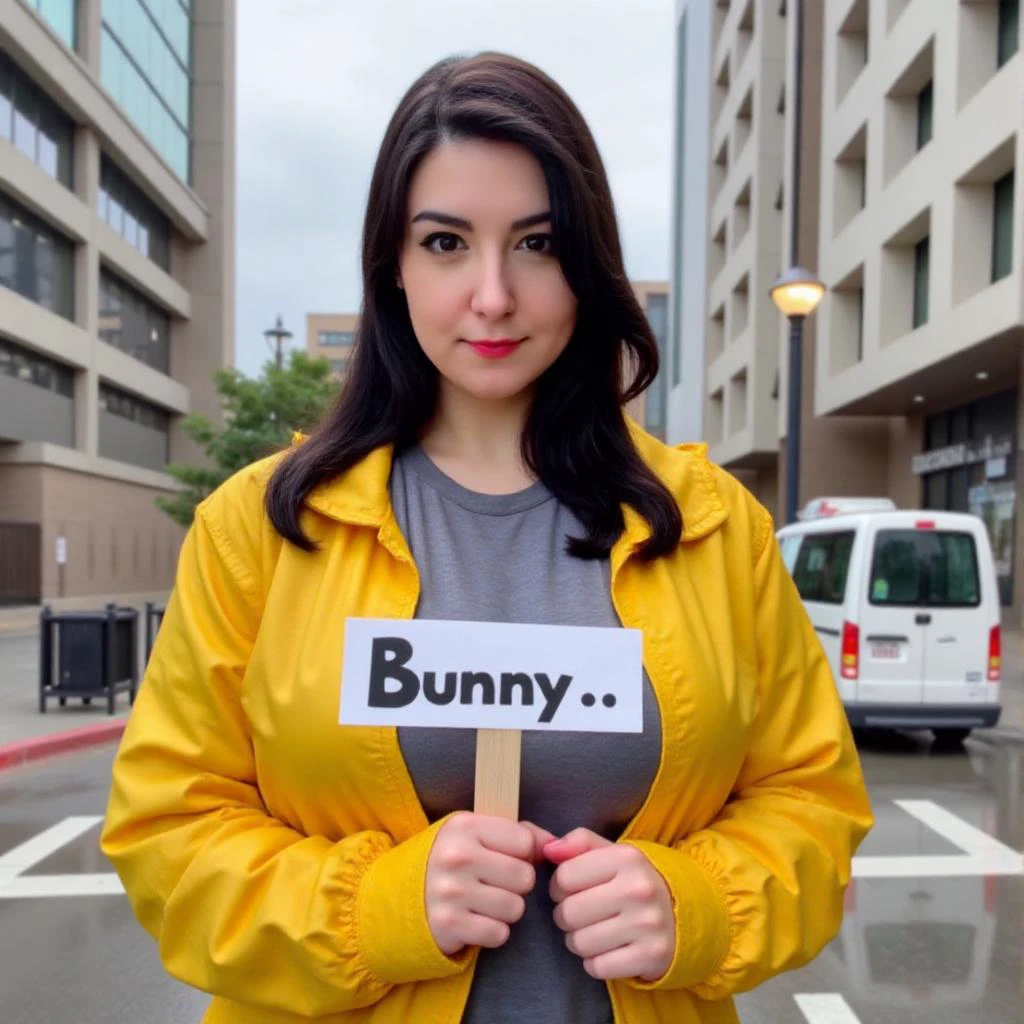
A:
(276, 337)
(796, 294)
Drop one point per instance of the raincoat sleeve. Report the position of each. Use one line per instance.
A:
(760, 890)
(243, 906)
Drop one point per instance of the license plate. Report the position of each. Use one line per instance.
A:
(885, 652)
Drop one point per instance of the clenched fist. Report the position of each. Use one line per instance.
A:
(479, 870)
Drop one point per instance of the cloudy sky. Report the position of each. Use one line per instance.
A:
(319, 79)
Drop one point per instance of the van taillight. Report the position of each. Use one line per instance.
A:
(925, 524)
(995, 655)
(850, 656)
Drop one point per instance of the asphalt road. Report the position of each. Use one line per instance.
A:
(934, 929)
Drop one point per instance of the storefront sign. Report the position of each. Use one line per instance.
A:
(956, 455)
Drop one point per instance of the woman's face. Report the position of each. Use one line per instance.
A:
(487, 297)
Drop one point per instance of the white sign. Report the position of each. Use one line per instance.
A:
(486, 675)
(62, 550)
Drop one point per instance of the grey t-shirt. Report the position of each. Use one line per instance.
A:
(501, 558)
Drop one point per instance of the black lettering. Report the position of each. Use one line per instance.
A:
(520, 679)
(442, 696)
(553, 694)
(471, 680)
(390, 656)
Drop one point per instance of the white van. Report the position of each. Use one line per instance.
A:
(907, 608)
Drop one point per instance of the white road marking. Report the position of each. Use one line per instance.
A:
(827, 1008)
(61, 885)
(38, 848)
(983, 855)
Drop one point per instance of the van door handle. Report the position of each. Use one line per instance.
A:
(923, 619)
(878, 638)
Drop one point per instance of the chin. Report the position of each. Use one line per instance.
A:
(495, 387)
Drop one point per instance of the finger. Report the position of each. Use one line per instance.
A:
(589, 907)
(597, 939)
(577, 842)
(541, 837)
(499, 904)
(586, 871)
(477, 930)
(501, 836)
(623, 962)
(507, 873)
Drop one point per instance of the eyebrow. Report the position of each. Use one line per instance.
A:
(461, 222)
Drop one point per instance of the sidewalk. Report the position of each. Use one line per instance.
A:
(27, 735)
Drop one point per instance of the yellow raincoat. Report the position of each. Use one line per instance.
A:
(279, 858)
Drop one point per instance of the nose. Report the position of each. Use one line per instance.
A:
(492, 291)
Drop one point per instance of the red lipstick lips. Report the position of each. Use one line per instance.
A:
(495, 348)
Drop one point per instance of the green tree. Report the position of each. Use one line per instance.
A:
(259, 416)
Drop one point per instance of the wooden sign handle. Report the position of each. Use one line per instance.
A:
(498, 759)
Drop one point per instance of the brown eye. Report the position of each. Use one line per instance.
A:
(540, 244)
(441, 242)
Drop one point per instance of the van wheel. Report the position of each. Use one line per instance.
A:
(951, 737)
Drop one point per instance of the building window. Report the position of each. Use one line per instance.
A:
(34, 123)
(133, 216)
(654, 408)
(922, 259)
(1002, 227)
(860, 324)
(925, 106)
(59, 15)
(26, 365)
(146, 65)
(1009, 30)
(335, 339)
(129, 407)
(132, 323)
(35, 261)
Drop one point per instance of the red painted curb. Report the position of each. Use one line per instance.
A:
(23, 751)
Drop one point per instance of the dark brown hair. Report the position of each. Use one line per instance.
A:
(576, 439)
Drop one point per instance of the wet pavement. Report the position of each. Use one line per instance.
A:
(934, 929)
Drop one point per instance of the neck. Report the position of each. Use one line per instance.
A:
(477, 441)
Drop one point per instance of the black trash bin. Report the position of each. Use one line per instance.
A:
(154, 619)
(88, 655)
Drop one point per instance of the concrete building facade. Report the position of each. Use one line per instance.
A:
(117, 125)
(331, 336)
(909, 210)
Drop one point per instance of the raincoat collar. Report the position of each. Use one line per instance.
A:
(361, 497)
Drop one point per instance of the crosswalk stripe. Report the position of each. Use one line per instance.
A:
(826, 1008)
(38, 848)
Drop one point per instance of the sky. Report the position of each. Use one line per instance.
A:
(318, 81)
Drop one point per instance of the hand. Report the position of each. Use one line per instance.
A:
(614, 907)
(477, 874)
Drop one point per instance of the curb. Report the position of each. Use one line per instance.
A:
(24, 751)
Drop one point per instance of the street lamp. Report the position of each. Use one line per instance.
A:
(796, 294)
(276, 337)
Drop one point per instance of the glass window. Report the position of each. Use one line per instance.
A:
(922, 259)
(938, 431)
(1009, 30)
(822, 566)
(127, 406)
(146, 66)
(133, 216)
(925, 106)
(334, 339)
(925, 568)
(133, 324)
(33, 368)
(60, 16)
(35, 260)
(6, 99)
(34, 123)
(1002, 227)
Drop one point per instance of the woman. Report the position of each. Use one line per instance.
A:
(479, 466)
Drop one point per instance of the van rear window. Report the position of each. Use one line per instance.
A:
(822, 565)
(925, 568)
